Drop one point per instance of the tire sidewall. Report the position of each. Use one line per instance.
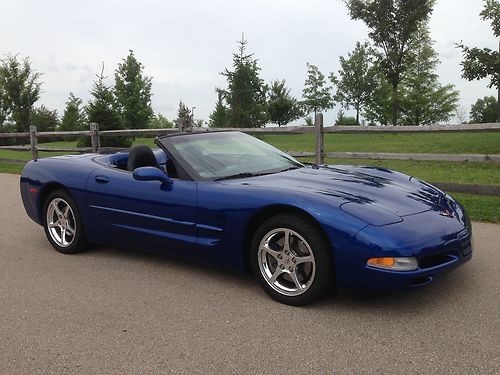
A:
(79, 240)
(320, 247)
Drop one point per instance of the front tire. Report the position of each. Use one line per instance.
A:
(62, 223)
(292, 260)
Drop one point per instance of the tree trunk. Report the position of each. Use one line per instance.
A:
(357, 115)
(395, 103)
(498, 93)
(498, 105)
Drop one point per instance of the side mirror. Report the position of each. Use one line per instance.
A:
(152, 174)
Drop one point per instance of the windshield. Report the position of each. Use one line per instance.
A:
(230, 155)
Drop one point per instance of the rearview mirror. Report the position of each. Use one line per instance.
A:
(152, 174)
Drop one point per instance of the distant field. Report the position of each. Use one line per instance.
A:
(445, 143)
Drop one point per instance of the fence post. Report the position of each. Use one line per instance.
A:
(318, 127)
(33, 143)
(94, 137)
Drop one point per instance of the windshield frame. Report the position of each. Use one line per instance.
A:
(167, 143)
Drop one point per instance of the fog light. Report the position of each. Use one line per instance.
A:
(395, 264)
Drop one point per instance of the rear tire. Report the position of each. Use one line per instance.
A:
(63, 224)
(292, 260)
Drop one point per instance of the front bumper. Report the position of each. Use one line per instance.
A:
(439, 243)
(431, 266)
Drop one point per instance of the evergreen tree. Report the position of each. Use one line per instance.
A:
(20, 89)
(424, 100)
(184, 118)
(74, 115)
(316, 93)
(483, 110)
(282, 107)
(392, 25)
(356, 82)
(246, 92)
(482, 63)
(44, 119)
(102, 110)
(219, 117)
(133, 93)
(342, 119)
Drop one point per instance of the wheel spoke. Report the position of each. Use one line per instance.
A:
(70, 230)
(66, 211)
(265, 248)
(286, 244)
(275, 275)
(295, 280)
(58, 210)
(304, 259)
(63, 236)
(55, 224)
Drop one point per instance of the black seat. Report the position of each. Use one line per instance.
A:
(141, 156)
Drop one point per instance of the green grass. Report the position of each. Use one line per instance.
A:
(444, 143)
(480, 207)
(26, 155)
(436, 171)
(11, 168)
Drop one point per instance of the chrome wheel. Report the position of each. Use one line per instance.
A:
(61, 223)
(286, 262)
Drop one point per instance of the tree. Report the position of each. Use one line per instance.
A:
(219, 117)
(102, 110)
(198, 123)
(282, 107)
(357, 78)
(184, 118)
(246, 92)
(342, 119)
(4, 108)
(133, 93)
(483, 110)
(378, 108)
(20, 89)
(393, 25)
(74, 115)
(481, 63)
(44, 119)
(461, 115)
(316, 93)
(424, 100)
(159, 121)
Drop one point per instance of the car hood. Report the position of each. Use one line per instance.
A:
(376, 195)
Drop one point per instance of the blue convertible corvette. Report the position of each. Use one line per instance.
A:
(230, 199)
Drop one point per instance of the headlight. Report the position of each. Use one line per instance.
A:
(394, 264)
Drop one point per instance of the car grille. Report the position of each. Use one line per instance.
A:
(460, 248)
(434, 260)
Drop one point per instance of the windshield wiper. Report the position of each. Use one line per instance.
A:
(238, 175)
(290, 168)
(250, 174)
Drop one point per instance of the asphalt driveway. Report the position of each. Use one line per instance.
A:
(115, 311)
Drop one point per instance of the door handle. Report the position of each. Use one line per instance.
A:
(102, 179)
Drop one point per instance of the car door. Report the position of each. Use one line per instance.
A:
(141, 214)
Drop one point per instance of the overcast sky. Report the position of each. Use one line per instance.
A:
(184, 45)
